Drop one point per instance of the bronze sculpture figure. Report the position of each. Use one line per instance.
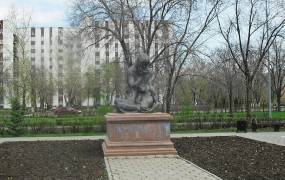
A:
(142, 97)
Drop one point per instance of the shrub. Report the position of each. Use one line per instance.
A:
(15, 124)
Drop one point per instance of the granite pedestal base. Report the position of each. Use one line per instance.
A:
(138, 134)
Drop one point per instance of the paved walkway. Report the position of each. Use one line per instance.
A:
(65, 138)
(269, 137)
(277, 138)
(154, 168)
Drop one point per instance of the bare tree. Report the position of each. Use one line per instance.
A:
(43, 88)
(111, 80)
(147, 17)
(248, 38)
(186, 41)
(18, 23)
(277, 69)
(91, 85)
(224, 73)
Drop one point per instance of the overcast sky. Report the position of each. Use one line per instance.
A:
(44, 13)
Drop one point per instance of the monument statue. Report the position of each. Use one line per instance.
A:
(133, 132)
(142, 97)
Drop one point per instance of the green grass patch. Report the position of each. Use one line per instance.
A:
(185, 116)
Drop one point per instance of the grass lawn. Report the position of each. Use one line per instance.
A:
(223, 116)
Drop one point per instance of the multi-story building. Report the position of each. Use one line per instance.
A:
(47, 48)
(1, 66)
(6, 62)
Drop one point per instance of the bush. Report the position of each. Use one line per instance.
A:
(15, 124)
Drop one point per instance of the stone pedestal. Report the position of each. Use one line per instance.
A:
(138, 134)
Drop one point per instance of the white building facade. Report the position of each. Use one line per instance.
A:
(47, 47)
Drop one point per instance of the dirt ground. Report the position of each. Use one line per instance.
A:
(231, 158)
(234, 158)
(52, 160)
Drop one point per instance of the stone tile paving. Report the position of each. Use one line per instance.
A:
(154, 168)
(64, 138)
(277, 138)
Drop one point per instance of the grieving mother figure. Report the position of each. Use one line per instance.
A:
(142, 96)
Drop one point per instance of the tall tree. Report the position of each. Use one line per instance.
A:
(186, 41)
(248, 38)
(18, 23)
(224, 73)
(147, 17)
(277, 69)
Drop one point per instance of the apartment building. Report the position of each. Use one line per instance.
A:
(48, 47)
(1, 66)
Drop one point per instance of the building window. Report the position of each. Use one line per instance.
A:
(116, 46)
(50, 67)
(33, 51)
(106, 26)
(33, 59)
(60, 42)
(33, 42)
(137, 36)
(50, 32)
(137, 46)
(42, 42)
(97, 58)
(42, 59)
(42, 50)
(107, 56)
(33, 32)
(50, 51)
(60, 50)
(107, 46)
(116, 55)
(42, 32)
(126, 36)
(1, 36)
(156, 46)
(60, 58)
(60, 31)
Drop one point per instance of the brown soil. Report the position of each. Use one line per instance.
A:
(52, 160)
(231, 158)
(234, 158)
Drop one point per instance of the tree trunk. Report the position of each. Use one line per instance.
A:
(34, 99)
(231, 99)
(248, 84)
(42, 103)
(278, 99)
(168, 98)
(24, 98)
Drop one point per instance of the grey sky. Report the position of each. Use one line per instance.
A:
(43, 12)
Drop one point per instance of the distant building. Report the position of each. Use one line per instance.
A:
(46, 47)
